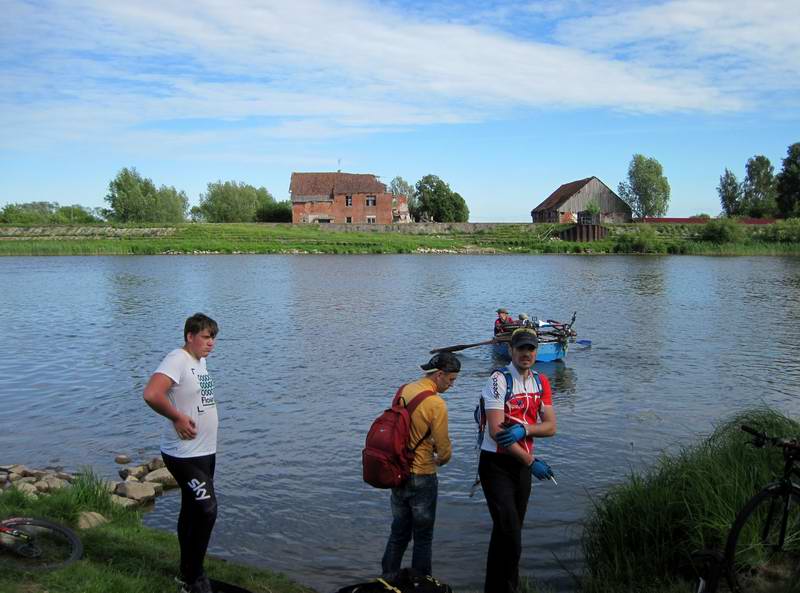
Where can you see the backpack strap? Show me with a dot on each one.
(411, 406)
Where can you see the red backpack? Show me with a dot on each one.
(387, 457)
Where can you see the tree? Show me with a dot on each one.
(438, 203)
(45, 213)
(788, 198)
(275, 212)
(400, 187)
(759, 189)
(730, 193)
(134, 198)
(647, 190)
(230, 201)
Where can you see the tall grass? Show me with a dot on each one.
(641, 534)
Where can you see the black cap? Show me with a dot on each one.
(444, 361)
(524, 337)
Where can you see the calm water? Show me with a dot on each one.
(312, 348)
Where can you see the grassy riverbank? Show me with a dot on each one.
(641, 534)
(121, 556)
(729, 239)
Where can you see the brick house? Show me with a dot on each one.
(570, 201)
(345, 198)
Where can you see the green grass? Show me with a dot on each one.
(783, 239)
(640, 535)
(122, 556)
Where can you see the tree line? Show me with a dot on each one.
(132, 198)
(762, 193)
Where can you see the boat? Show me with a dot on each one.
(554, 339)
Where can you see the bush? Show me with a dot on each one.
(275, 212)
(722, 230)
(783, 231)
(642, 240)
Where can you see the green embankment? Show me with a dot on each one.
(714, 238)
(121, 556)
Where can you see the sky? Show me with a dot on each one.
(504, 100)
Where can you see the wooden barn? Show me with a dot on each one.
(572, 202)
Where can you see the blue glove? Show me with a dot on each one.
(541, 470)
(510, 435)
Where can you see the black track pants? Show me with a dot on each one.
(195, 476)
(507, 485)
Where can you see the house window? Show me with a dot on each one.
(371, 201)
(349, 219)
(370, 220)
(348, 201)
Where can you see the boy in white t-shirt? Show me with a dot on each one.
(182, 391)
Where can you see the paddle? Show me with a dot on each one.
(462, 346)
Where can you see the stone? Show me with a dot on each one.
(162, 476)
(155, 463)
(139, 492)
(138, 472)
(28, 480)
(37, 473)
(14, 477)
(109, 486)
(123, 472)
(20, 469)
(65, 476)
(122, 459)
(54, 483)
(41, 486)
(89, 519)
(122, 501)
(159, 488)
(131, 479)
(27, 488)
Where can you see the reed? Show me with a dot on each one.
(641, 534)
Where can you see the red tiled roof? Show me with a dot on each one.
(319, 184)
(562, 194)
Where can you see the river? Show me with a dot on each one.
(312, 348)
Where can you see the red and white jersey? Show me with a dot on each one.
(524, 405)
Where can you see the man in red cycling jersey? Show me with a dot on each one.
(507, 458)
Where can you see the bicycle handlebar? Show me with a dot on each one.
(752, 431)
(762, 439)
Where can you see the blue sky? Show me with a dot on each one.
(503, 100)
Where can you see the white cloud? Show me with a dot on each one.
(353, 67)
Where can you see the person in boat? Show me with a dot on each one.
(182, 391)
(506, 459)
(414, 503)
(503, 319)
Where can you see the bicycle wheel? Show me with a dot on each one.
(40, 545)
(763, 550)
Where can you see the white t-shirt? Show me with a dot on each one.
(193, 395)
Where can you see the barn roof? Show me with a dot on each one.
(562, 194)
(317, 185)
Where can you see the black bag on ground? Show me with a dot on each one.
(406, 581)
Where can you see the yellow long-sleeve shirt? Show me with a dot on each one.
(431, 413)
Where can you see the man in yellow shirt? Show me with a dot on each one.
(414, 503)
